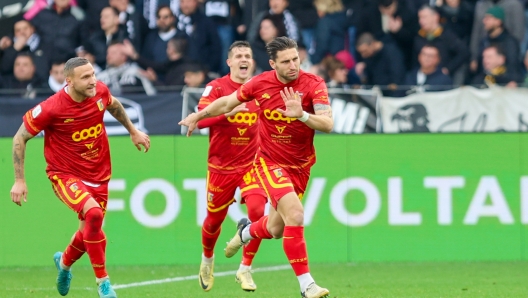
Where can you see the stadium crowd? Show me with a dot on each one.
(404, 45)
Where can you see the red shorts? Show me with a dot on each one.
(277, 182)
(74, 192)
(221, 189)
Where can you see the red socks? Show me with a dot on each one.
(255, 205)
(211, 230)
(295, 249)
(75, 250)
(95, 241)
(259, 230)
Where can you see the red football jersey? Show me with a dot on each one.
(233, 141)
(284, 140)
(75, 139)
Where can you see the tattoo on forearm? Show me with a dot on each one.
(325, 110)
(19, 151)
(118, 111)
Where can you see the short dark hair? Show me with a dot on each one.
(365, 38)
(497, 47)
(179, 43)
(26, 54)
(73, 63)
(238, 44)
(429, 7)
(57, 62)
(114, 10)
(280, 44)
(386, 3)
(163, 7)
(431, 45)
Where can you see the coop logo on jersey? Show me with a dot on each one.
(241, 131)
(280, 129)
(275, 115)
(85, 134)
(36, 111)
(100, 104)
(243, 118)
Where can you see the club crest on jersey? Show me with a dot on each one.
(100, 104)
(210, 197)
(74, 187)
(278, 173)
(241, 131)
(266, 96)
(280, 129)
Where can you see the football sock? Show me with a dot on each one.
(73, 251)
(255, 205)
(295, 248)
(211, 230)
(257, 230)
(100, 280)
(208, 260)
(305, 280)
(95, 241)
(243, 267)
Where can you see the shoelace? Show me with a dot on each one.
(105, 287)
(247, 275)
(64, 274)
(207, 271)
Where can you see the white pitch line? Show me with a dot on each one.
(190, 277)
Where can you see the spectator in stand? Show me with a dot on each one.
(277, 7)
(390, 21)
(25, 39)
(453, 52)
(525, 61)
(495, 70)
(250, 10)
(93, 9)
(110, 32)
(336, 72)
(136, 26)
(271, 26)
(119, 73)
(196, 75)
(226, 14)
(306, 64)
(155, 46)
(428, 76)
(87, 52)
(149, 9)
(39, 5)
(24, 77)
(59, 27)
(383, 63)
(169, 73)
(306, 15)
(56, 79)
(498, 35)
(204, 42)
(457, 16)
(514, 21)
(330, 30)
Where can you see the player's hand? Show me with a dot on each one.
(292, 100)
(191, 121)
(19, 192)
(140, 138)
(240, 108)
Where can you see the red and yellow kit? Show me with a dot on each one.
(233, 142)
(75, 142)
(286, 144)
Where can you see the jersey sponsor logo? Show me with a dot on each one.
(207, 91)
(280, 129)
(36, 111)
(92, 132)
(243, 118)
(241, 131)
(100, 104)
(266, 96)
(277, 116)
(68, 120)
(89, 146)
(320, 90)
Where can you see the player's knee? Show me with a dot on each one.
(295, 218)
(94, 218)
(256, 213)
(276, 232)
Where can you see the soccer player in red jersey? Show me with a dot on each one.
(293, 104)
(78, 162)
(233, 141)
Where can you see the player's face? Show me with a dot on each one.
(287, 65)
(83, 80)
(240, 63)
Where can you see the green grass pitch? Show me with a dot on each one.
(460, 279)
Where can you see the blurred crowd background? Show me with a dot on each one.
(404, 46)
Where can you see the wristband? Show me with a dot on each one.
(304, 117)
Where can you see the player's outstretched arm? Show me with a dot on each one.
(213, 121)
(222, 105)
(322, 120)
(19, 189)
(138, 137)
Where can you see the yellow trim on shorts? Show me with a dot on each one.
(270, 180)
(252, 186)
(221, 207)
(65, 192)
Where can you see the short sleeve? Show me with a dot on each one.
(210, 93)
(105, 93)
(38, 118)
(320, 94)
(245, 92)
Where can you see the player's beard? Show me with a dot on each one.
(85, 92)
(289, 76)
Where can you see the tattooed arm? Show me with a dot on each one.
(138, 137)
(19, 189)
(322, 120)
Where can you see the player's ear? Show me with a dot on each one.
(272, 63)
